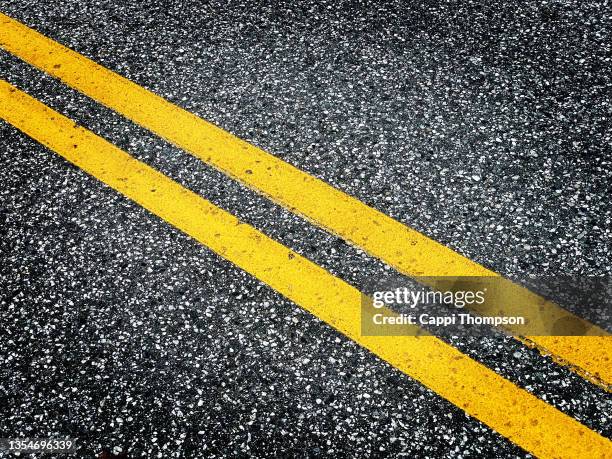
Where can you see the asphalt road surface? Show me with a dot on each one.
(484, 127)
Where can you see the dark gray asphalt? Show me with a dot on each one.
(480, 127)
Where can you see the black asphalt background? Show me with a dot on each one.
(430, 106)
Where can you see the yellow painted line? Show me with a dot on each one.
(524, 419)
(405, 249)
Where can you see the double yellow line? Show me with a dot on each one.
(405, 249)
(514, 413)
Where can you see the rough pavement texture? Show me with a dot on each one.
(482, 127)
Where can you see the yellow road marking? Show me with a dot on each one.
(521, 417)
(405, 249)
